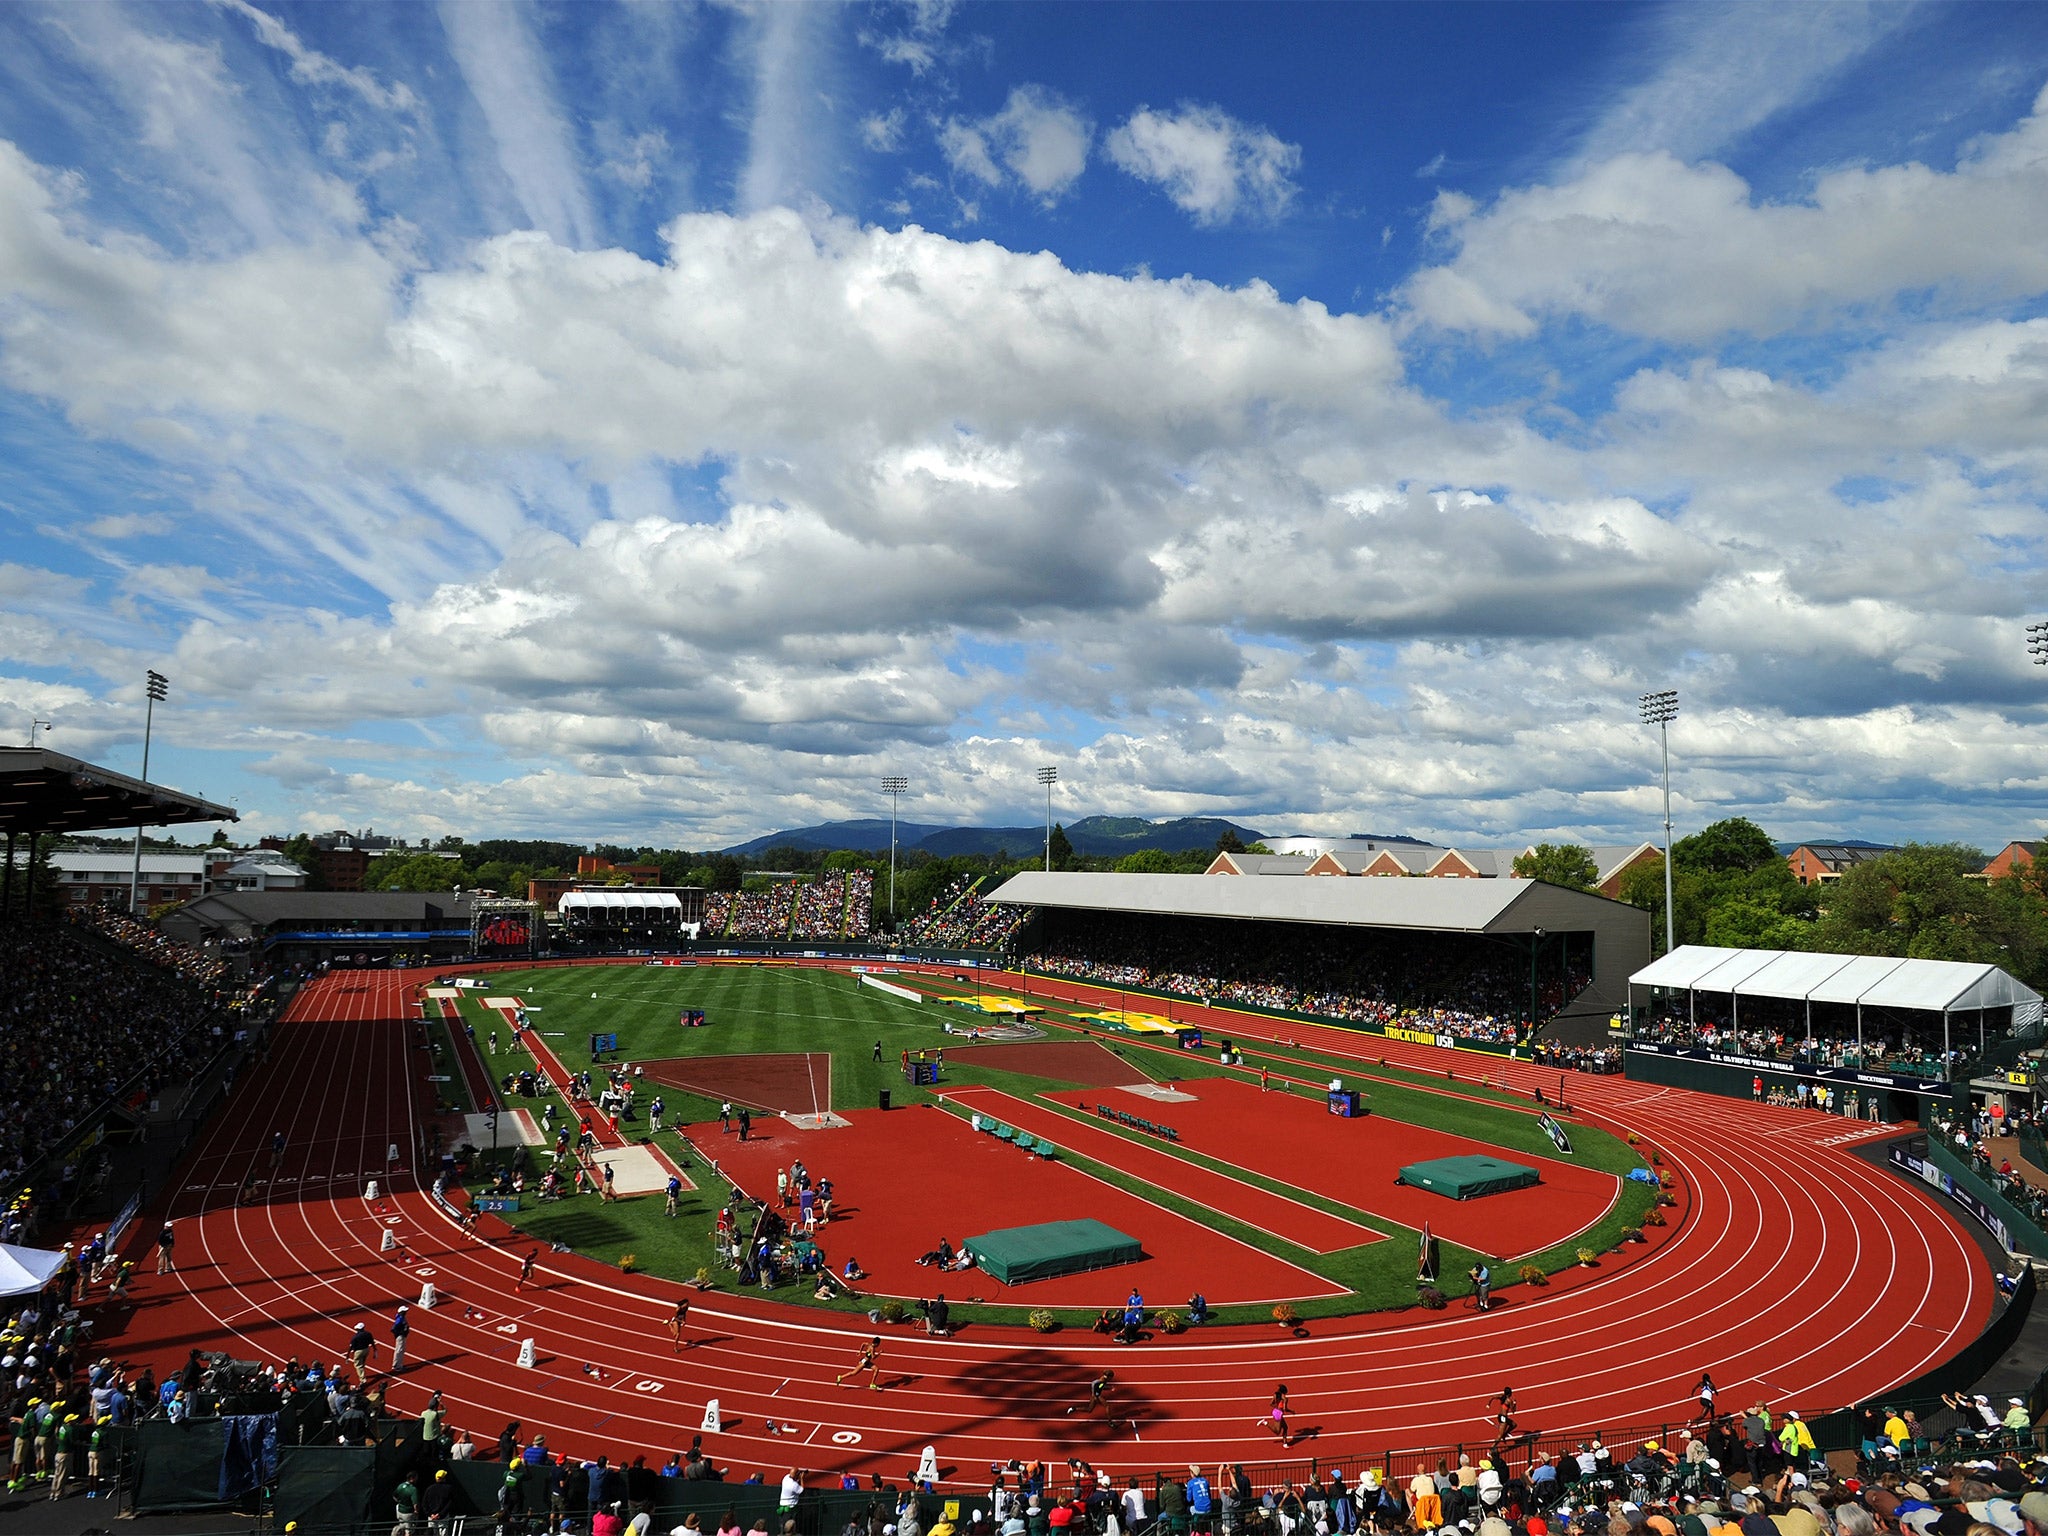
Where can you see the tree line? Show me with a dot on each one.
(1929, 901)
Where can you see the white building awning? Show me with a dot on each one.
(1873, 981)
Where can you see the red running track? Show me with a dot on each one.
(1298, 1141)
(1804, 1274)
(904, 1178)
(1293, 1221)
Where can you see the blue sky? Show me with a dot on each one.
(657, 422)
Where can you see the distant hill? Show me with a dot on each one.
(1092, 835)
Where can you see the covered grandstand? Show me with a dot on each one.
(1548, 939)
(1866, 1022)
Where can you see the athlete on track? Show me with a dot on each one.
(870, 1361)
(1098, 1394)
(1276, 1415)
(679, 1321)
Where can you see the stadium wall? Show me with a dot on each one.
(1739, 1082)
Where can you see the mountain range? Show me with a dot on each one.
(1092, 835)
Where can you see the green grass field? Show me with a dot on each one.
(756, 1009)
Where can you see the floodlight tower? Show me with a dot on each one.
(892, 787)
(1048, 776)
(1660, 709)
(155, 686)
(2037, 643)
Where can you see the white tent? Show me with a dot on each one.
(23, 1270)
(1945, 987)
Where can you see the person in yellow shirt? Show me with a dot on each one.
(1795, 1439)
(1895, 1430)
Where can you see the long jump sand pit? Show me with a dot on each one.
(798, 1081)
(1065, 1061)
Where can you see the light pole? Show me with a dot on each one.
(34, 726)
(1660, 709)
(2037, 643)
(155, 687)
(1048, 776)
(892, 787)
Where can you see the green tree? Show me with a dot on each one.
(1228, 841)
(1740, 923)
(1919, 901)
(1565, 864)
(300, 850)
(1148, 861)
(1060, 850)
(1737, 844)
(220, 838)
(421, 872)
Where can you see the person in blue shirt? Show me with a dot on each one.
(1198, 1308)
(1201, 1501)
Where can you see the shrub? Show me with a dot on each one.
(1432, 1298)
(1654, 1219)
(1285, 1315)
(1173, 1322)
(1632, 1235)
(892, 1311)
(1533, 1275)
(1045, 1320)
(1588, 1257)
(1634, 1140)
(1665, 1199)
(626, 1263)
(703, 1278)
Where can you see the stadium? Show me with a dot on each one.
(1298, 1185)
(915, 768)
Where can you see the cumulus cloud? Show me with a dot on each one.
(1213, 166)
(1039, 141)
(1649, 244)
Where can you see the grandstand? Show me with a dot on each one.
(1493, 959)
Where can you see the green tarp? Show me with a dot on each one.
(1466, 1178)
(1017, 1254)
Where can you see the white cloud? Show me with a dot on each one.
(883, 131)
(127, 525)
(509, 79)
(1038, 138)
(313, 67)
(1213, 166)
(1705, 74)
(1648, 244)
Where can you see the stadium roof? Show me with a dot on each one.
(1872, 981)
(45, 791)
(1443, 906)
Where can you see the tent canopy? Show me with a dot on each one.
(23, 1270)
(1873, 981)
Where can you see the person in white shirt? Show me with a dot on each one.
(1135, 1518)
(792, 1490)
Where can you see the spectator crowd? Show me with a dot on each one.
(839, 905)
(958, 918)
(1474, 988)
(76, 1025)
